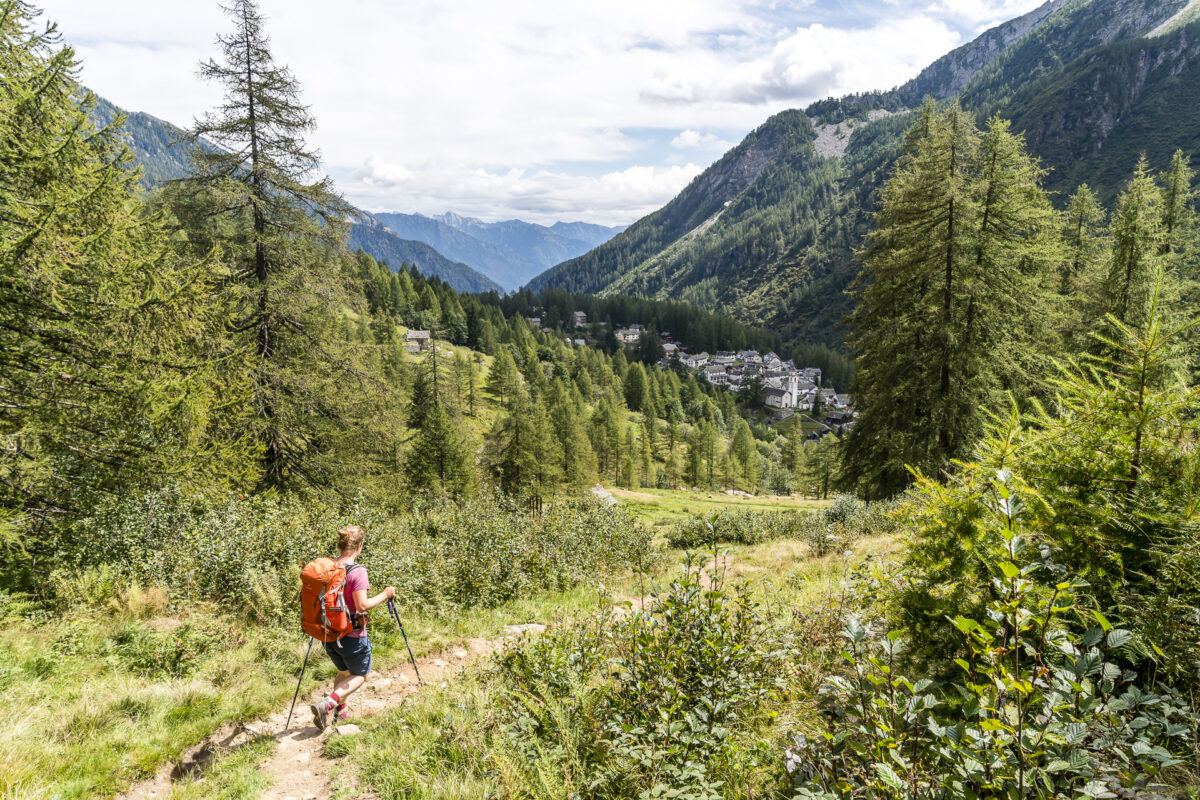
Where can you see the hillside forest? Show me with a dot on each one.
(988, 587)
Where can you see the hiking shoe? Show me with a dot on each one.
(342, 712)
(320, 711)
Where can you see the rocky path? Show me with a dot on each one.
(297, 768)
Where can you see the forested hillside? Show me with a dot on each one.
(163, 153)
(510, 252)
(1074, 76)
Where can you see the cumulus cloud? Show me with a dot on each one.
(692, 139)
(818, 61)
(538, 195)
(537, 107)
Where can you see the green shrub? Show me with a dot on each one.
(839, 525)
(737, 526)
(1036, 711)
(245, 553)
(677, 701)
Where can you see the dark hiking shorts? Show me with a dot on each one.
(353, 656)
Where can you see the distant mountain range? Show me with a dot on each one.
(162, 155)
(768, 232)
(509, 252)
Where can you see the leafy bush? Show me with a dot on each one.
(845, 520)
(677, 701)
(1111, 475)
(736, 526)
(246, 552)
(1036, 710)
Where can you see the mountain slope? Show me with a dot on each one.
(586, 232)
(776, 248)
(537, 243)
(374, 237)
(163, 156)
(508, 268)
(510, 252)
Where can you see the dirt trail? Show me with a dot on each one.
(298, 768)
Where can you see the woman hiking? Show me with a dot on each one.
(352, 653)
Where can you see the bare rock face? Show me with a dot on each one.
(347, 730)
(832, 140)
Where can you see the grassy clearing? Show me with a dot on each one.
(109, 694)
(664, 507)
(109, 697)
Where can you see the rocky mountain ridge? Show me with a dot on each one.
(1083, 79)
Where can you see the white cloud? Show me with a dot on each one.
(692, 139)
(818, 61)
(528, 106)
(979, 15)
(539, 195)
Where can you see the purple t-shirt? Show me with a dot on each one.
(356, 579)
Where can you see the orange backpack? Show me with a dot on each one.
(324, 615)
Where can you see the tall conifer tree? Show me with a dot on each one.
(109, 344)
(288, 292)
(949, 297)
(1138, 249)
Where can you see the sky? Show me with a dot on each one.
(539, 110)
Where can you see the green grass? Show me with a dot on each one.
(663, 507)
(231, 776)
(108, 694)
(436, 746)
(106, 698)
(100, 707)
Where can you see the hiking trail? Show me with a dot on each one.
(298, 769)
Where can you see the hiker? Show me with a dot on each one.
(351, 654)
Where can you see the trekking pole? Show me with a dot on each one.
(297, 694)
(396, 616)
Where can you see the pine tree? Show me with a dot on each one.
(434, 386)
(646, 451)
(636, 394)
(1138, 247)
(628, 476)
(821, 465)
(577, 463)
(113, 358)
(439, 460)
(1178, 209)
(950, 315)
(503, 381)
(286, 298)
(745, 454)
(1083, 239)
(521, 455)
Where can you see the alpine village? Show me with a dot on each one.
(857, 459)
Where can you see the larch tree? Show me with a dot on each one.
(1178, 208)
(287, 222)
(111, 376)
(438, 460)
(949, 298)
(1139, 247)
(1081, 270)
